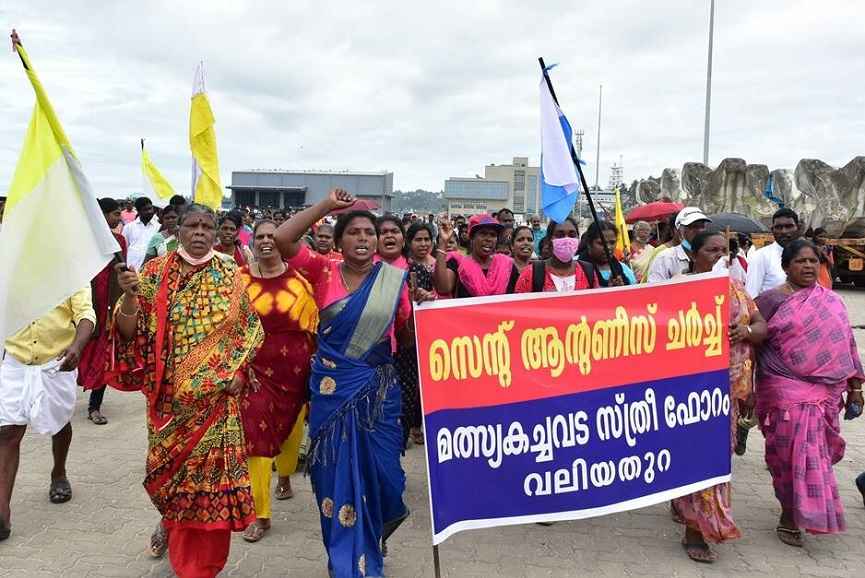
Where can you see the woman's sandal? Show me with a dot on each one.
(158, 541)
(283, 492)
(96, 417)
(699, 552)
(790, 536)
(60, 491)
(254, 532)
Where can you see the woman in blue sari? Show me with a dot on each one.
(355, 403)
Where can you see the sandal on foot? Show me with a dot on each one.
(283, 492)
(699, 552)
(60, 491)
(5, 530)
(158, 542)
(254, 532)
(96, 417)
(790, 536)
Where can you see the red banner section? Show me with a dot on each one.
(491, 351)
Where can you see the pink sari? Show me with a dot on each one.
(804, 366)
(709, 510)
(496, 280)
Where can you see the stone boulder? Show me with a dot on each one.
(822, 195)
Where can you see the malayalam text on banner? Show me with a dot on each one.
(545, 407)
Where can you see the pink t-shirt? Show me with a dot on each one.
(326, 280)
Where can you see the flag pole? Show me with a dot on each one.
(615, 270)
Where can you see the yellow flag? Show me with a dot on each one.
(54, 238)
(156, 187)
(623, 242)
(206, 185)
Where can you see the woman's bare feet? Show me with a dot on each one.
(697, 548)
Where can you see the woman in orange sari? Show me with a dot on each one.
(183, 332)
(707, 514)
(270, 407)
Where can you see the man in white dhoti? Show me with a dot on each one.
(37, 389)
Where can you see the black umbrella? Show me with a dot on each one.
(737, 223)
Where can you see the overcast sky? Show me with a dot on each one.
(430, 90)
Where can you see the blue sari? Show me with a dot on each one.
(354, 426)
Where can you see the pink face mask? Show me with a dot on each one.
(195, 262)
(565, 248)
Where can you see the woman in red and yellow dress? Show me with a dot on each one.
(184, 331)
(270, 405)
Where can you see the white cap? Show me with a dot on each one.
(689, 216)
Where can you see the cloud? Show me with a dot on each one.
(433, 90)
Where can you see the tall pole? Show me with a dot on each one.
(598, 151)
(709, 84)
(615, 267)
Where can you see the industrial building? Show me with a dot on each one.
(515, 186)
(288, 189)
(467, 196)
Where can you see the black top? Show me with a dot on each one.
(462, 292)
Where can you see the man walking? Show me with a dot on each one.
(139, 232)
(764, 267)
(37, 389)
(690, 222)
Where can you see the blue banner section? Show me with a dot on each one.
(586, 451)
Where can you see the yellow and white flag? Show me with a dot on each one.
(54, 238)
(623, 242)
(206, 186)
(156, 187)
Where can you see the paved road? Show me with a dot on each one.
(104, 529)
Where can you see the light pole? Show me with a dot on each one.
(709, 84)
(598, 151)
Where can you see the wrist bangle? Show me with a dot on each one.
(441, 252)
(750, 331)
(859, 390)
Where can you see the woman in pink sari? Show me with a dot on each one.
(482, 272)
(807, 363)
(707, 514)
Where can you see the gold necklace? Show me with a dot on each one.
(262, 275)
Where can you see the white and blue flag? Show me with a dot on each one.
(559, 181)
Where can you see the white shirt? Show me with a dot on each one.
(568, 283)
(138, 236)
(764, 270)
(673, 262)
(669, 263)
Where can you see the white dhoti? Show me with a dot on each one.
(40, 396)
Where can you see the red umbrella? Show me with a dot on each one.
(653, 211)
(359, 205)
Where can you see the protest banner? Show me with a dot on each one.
(559, 406)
